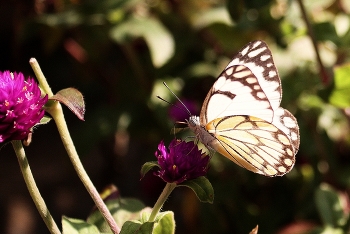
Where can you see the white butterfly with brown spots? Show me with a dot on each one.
(241, 117)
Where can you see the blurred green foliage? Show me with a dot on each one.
(118, 53)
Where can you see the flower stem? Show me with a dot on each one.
(56, 112)
(169, 187)
(33, 189)
(40, 76)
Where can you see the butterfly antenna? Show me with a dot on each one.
(185, 108)
(172, 104)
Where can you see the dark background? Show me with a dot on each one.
(117, 53)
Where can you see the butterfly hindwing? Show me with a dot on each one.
(286, 122)
(253, 143)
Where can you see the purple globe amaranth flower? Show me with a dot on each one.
(183, 161)
(20, 106)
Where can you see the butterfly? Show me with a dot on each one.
(241, 117)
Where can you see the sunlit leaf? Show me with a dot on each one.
(334, 122)
(135, 227)
(165, 223)
(45, 119)
(215, 15)
(157, 37)
(122, 210)
(77, 226)
(340, 96)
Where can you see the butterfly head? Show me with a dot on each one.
(193, 122)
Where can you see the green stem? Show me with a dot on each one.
(33, 189)
(40, 76)
(169, 187)
(55, 110)
(325, 77)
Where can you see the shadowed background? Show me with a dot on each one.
(118, 53)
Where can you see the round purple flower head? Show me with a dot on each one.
(183, 161)
(20, 106)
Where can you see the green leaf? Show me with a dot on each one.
(130, 227)
(326, 230)
(235, 8)
(135, 227)
(212, 16)
(325, 31)
(165, 223)
(340, 96)
(202, 188)
(122, 210)
(255, 4)
(44, 120)
(329, 206)
(77, 226)
(148, 166)
(73, 99)
(158, 38)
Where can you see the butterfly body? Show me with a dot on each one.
(241, 117)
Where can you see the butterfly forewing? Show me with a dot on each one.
(236, 92)
(257, 56)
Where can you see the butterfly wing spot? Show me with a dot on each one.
(272, 74)
(244, 51)
(270, 171)
(228, 72)
(265, 57)
(283, 139)
(295, 138)
(237, 72)
(290, 152)
(282, 169)
(252, 80)
(286, 122)
(256, 52)
(288, 162)
(256, 43)
(256, 87)
(260, 95)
